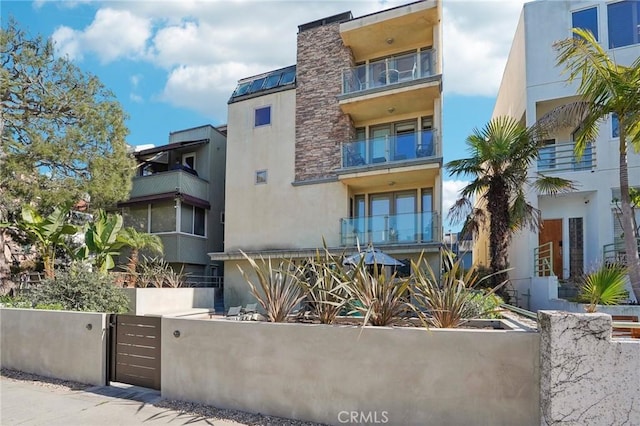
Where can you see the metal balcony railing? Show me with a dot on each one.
(616, 252)
(543, 260)
(392, 148)
(407, 228)
(389, 71)
(561, 157)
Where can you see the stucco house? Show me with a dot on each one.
(580, 228)
(344, 145)
(178, 194)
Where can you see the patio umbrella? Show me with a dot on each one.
(371, 257)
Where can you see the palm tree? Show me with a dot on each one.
(48, 232)
(605, 88)
(501, 154)
(138, 241)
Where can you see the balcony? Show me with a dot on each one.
(169, 182)
(561, 158)
(391, 149)
(388, 72)
(407, 228)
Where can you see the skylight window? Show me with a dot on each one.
(288, 77)
(243, 89)
(256, 85)
(272, 81)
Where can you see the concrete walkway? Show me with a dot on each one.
(27, 403)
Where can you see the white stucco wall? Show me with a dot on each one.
(315, 372)
(155, 301)
(586, 377)
(61, 344)
(543, 23)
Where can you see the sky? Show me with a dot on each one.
(174, 64)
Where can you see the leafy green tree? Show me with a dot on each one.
(101, 240)
(62, 132)
(48, 233)
(138, 241)
(605, 88)
(501, 154)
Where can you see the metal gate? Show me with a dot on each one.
(135, 350)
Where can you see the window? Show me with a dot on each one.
(623, 19)
(263, 116)
(261, 177)
(163, 217)
(586, 19)
(189, 160)
(192, 220)
(615, 126)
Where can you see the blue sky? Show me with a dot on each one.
(173, 64)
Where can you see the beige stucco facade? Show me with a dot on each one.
(366, 87)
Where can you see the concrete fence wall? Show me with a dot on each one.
(158, 301)
(60, 344)
(338, 374)
(587, 378)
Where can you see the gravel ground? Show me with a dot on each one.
(200, 411)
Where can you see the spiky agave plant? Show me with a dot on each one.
(604, 286)
(278, 289)
(382, 299)
(325, 284)
(450, 301)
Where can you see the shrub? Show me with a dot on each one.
(80, 290)
(450, 301)
(156, 272)
(381, 299)
(485, 306)
(324, 284)
(15, 302)
(278, 289)
(604, 286)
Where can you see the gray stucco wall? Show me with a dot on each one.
(319, 373)
(56, 344)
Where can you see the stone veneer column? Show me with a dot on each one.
(586, 377)
(321, 126)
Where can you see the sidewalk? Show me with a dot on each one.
(27, 403)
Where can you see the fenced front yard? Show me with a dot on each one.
(571, 370)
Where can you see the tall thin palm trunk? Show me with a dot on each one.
(630, 241)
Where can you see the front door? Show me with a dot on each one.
(552, 232)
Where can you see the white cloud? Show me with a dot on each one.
(67, 43)
(205, 88)
(135, 98)
(112, 35)
(450, 193)
(476, 41)
(219, 42)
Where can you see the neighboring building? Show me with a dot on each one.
(344, 145)
(178, 194)
(580, 228)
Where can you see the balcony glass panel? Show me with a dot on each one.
(388, 71)
(403, 228)
(561, 157)
(389, 148)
